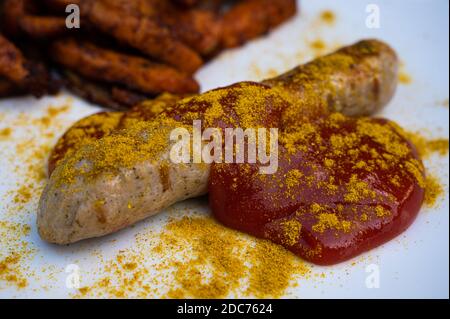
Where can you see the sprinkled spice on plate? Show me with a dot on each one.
(404, 78)
(427, 147)
(5, 133)
(14, 253)
(433, 191)
(328, 16)
(198, 258)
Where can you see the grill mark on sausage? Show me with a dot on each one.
(164, 177)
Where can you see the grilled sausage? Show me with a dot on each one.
(106, 203)
(97, 204)
(96, 126)
(356, 80)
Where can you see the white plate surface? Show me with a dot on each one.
(416, 264)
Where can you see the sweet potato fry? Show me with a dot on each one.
(143, 33)
(177, 33)
(38, 27)
(92, 91)
(252, 18)
(12, 11)
(19, 17)
(40, 81)
(199, 29)
(213, 5)
(28, 75)
(133, 72)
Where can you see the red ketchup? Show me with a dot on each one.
(343, 186)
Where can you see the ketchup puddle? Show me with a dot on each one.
(343, 187)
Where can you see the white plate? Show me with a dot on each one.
(416, 264)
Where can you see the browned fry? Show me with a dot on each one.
(199, 29)
(94, 92)
(18, 17)
(39, 27)
(143, 33)
(175, 32)
(13, 10)
(252, 18)
(133, 72)
(7, 88)
(30, 76)
(212, 5)
(148, 110)
(60, 5)
(145, 8)
(187, 3)
(82, 132)
(12, 62)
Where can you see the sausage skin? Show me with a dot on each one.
(70, 212)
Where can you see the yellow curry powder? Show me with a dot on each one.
(328, 16)
(318, 45)
(5, 133)
(427, 147)
(13, 254)
(214, 261)
(198, 258)
(404, 78)
(123, 149)
(291, 229)
(433, 190)
(27, 160)
(85, 131)
(392, 157)
(243, 105)
(148, 140)
(331, 221)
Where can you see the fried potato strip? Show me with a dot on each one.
(143, 33)
(133, 72)
(251, 18)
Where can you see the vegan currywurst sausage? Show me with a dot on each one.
(127, 175)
